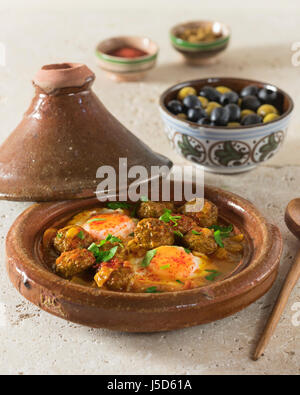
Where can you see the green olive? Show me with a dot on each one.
(211, 105)
(186, 91)
(233, 124)
(266, 109)
(246, 112)
(223, 89)
(270, 117)
(203, 101)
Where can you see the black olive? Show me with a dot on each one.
(251, 119)
(267, 95)
(229, 97)
(220, 116)
(210, 93)
(250, 103)
(250, 90)
(194, 114)
(234, 112)
(203, 121)
(175, 107)
(192, 101)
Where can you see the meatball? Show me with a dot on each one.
(71, 263)
(184, 224)
(205, 217)
(120, 280)
(200, 240)
(153, 209)
(151, 233)
(72, 237)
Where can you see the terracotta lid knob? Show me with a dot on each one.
(63, 75)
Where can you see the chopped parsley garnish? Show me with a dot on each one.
(116, 205)
(220, 233)
(178, 233)
(195, 232)
(152, 290)
(218, 238)
(180, 282)
(95, 220)
(104, 256)
(165, 267)
(81, 235)
(148, 258)
(168, 217)
(144, 199)
(213, 275)
(187, 250)
(59, 235)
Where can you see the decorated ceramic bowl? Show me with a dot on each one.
(202, 52)
(226, 149)
(122, 68)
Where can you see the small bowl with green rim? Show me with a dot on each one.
(201, 52)
(123, 68)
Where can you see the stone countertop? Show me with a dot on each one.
(33, 341)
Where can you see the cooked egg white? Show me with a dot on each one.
(107, 221)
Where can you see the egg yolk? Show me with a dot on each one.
(173, 263)
(115, 223)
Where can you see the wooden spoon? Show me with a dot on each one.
(292, 220)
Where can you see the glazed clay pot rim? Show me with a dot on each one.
(62, 75)
(123, 60)
(256, 272)
(201, 46)
(223, 81)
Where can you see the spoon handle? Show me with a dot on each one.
(290, 282)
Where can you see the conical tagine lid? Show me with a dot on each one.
(64, 137)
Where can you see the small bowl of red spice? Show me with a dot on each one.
(127, 58)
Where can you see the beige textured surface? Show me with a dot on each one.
(35, 342)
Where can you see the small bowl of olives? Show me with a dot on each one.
(200, 42)
(227, 125)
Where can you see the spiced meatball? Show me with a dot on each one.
(200, 240)
(184, 224)
(151, 233)
(153, 209)
(71, 263)
(72, 237)
(205, 217)
(120, 279)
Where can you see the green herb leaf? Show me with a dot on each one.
(59, 235)
(81, 235)
(195, 232)
(105, 256)
(94, 249)
(187, 250)
(168, 217)
(214, 274)
(180, 282)
(95, 220)
(218, 238)
(165, 267)
(144, 199)
(148, 258)
(152, 290)
(222, 229)
(116, 205)
(178, 233)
